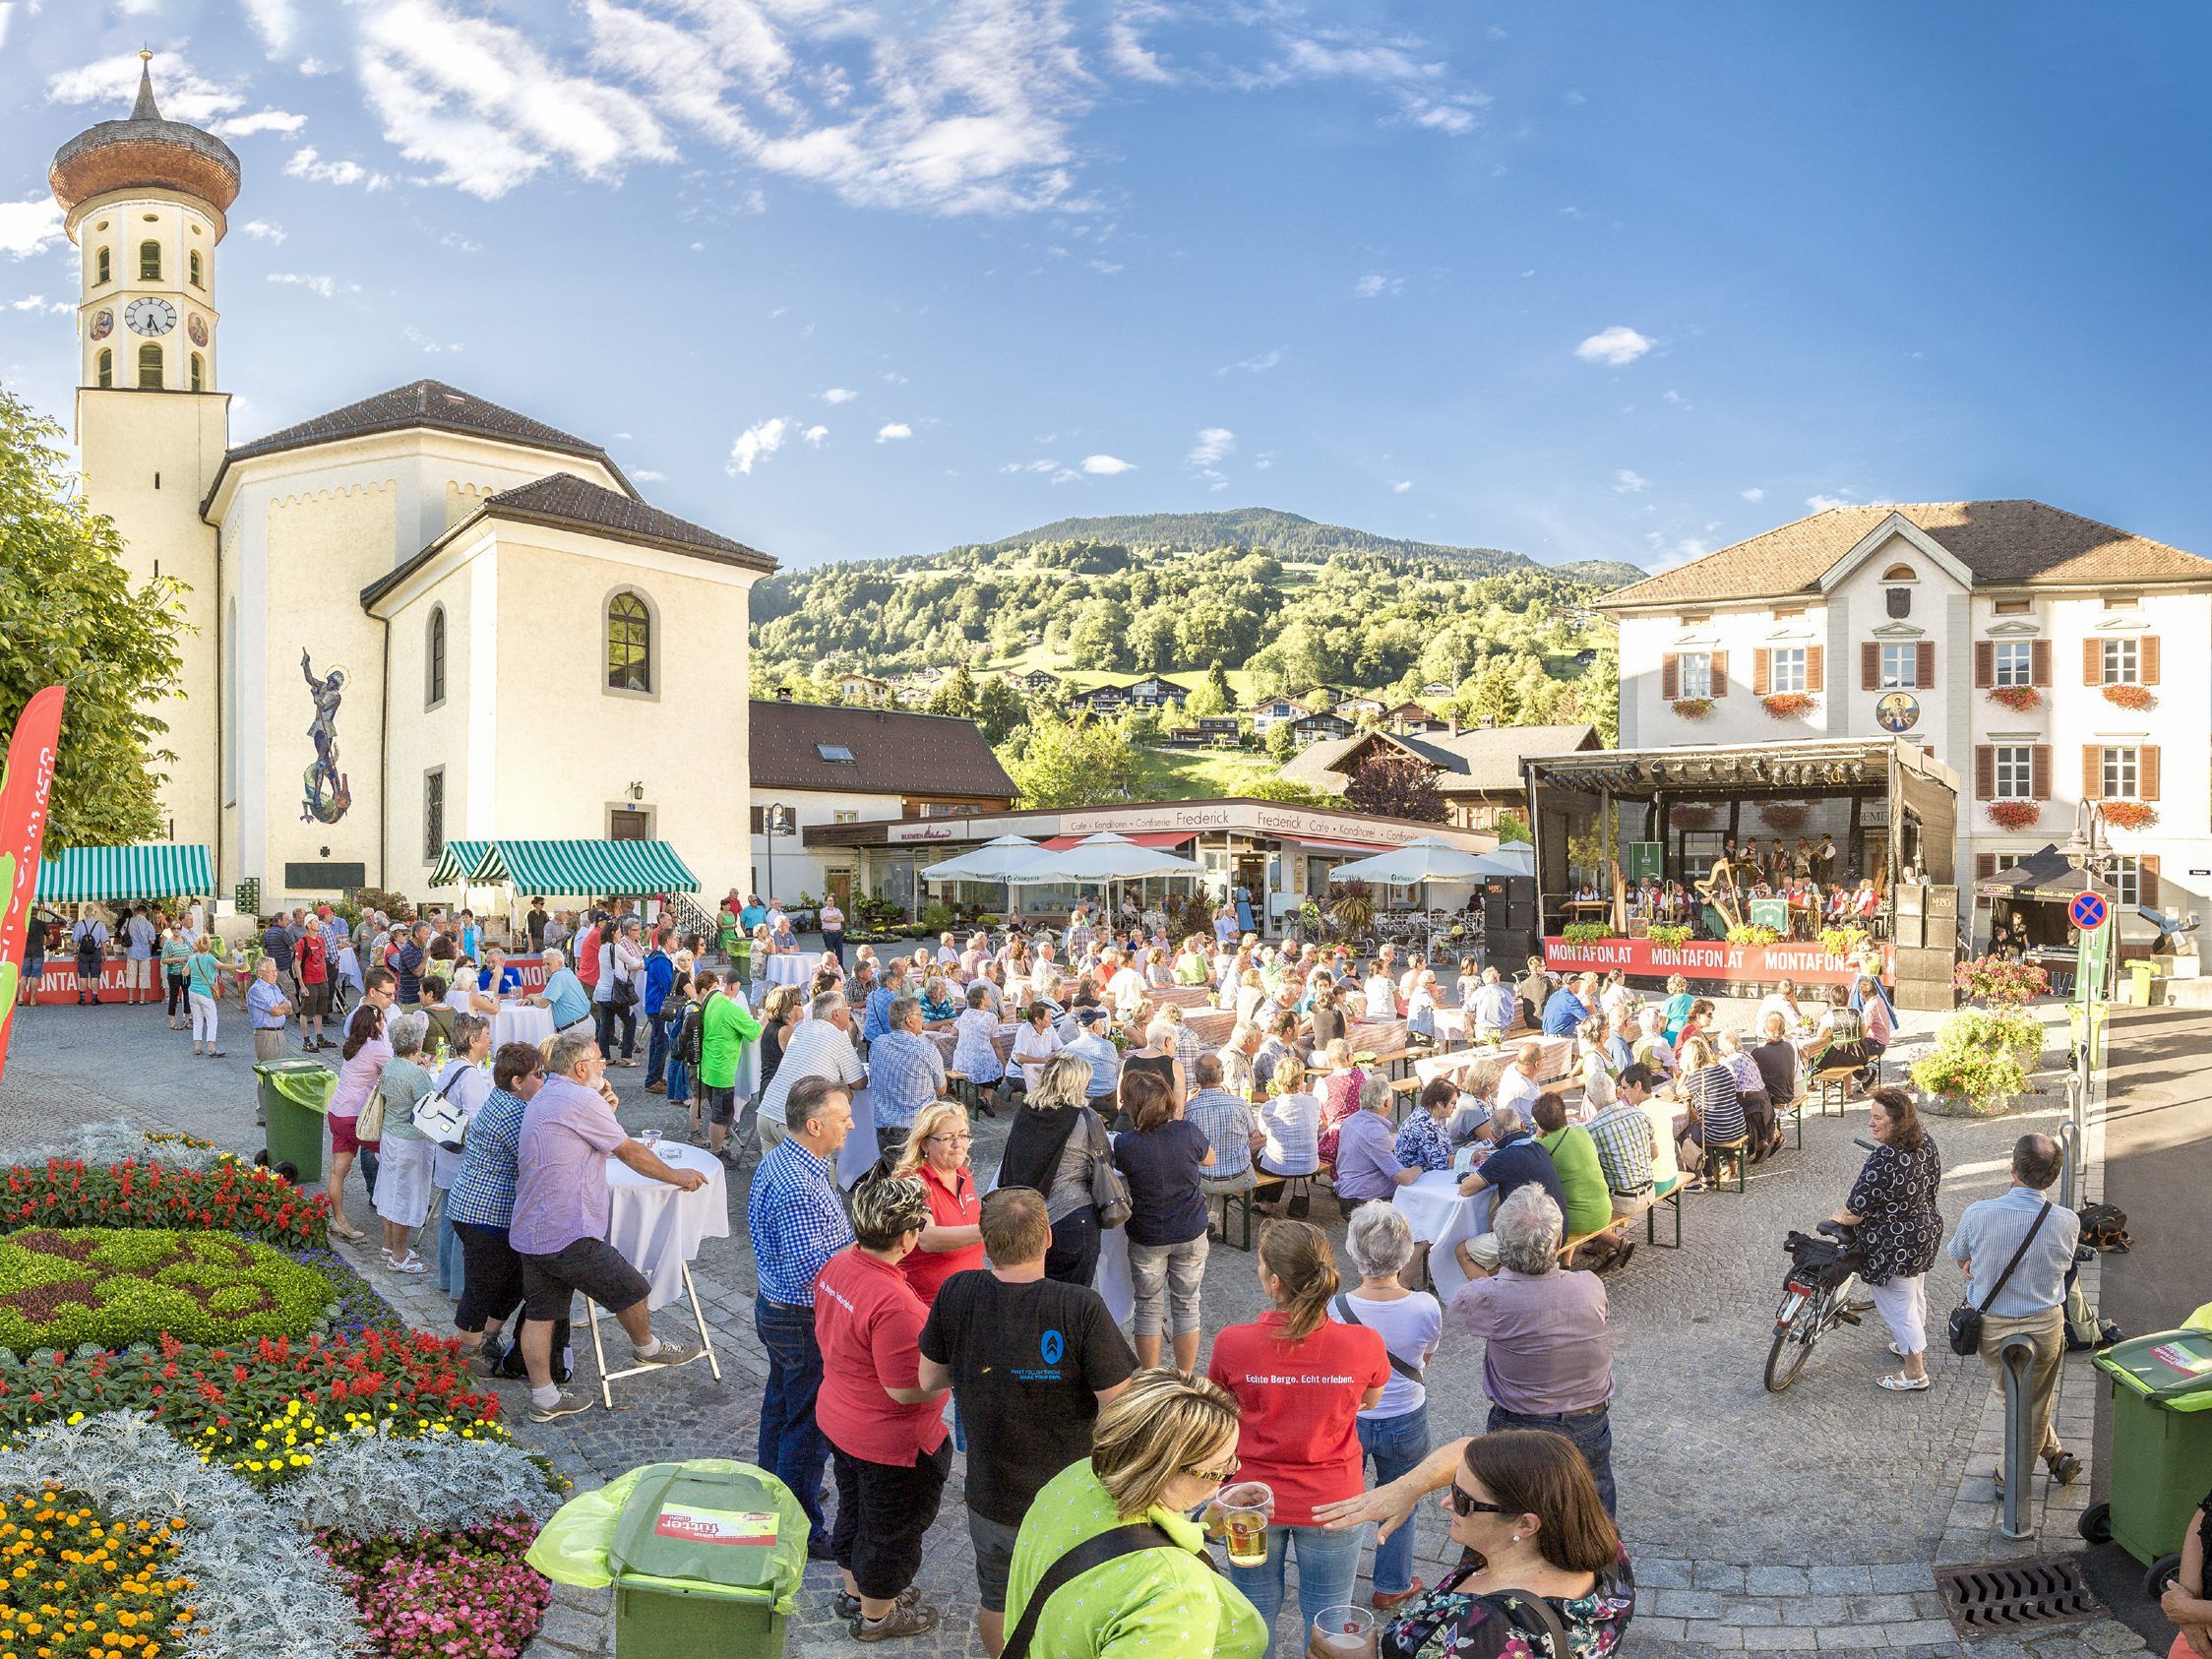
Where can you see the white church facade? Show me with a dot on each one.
(418, 618)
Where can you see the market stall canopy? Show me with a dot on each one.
(88, 875)
(2047, 875)
(608, 869)
(993, 861)
(1107, 857)
(456, 861)
(1425, 860)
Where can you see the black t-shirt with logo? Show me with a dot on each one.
(1027, 1362)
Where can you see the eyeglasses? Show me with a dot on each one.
(1218, 1476)
(1465, 1503)
(955, 1137)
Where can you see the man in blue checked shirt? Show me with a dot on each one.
(481, 1204)
(797, 1222)
(876, 1017)
(906, 1073)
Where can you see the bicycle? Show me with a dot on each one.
(1815, 1298)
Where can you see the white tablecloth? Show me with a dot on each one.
(656, 1227)
(1112, 1278)
(790, 968)
(1439, 1215)
(516, 1023)
(858, 1154)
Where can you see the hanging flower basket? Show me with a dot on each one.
(2018, 698)
(2130, 696)
(1783, 814)
(2129, 815)
(1693, 707)
(1692, 818)
(2014, 814)
(1788, 705)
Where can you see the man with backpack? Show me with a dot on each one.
(90, 936)
(311, 963)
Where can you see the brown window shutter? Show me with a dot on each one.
(1762, 672)
(2092, 662)
(1669, 678)
(2040, 772)
(2146, 880)
(1984, 866)
(1985, 664)
(1869, 665)
(1985, 772)
(1814, 675)
(1924, 665)
(2146, 658)
(1719, 674)
(2039, 663)
(2092, 772)
(2146, 772)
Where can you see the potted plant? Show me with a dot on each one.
(2014, 814)
(1844, 940)
(1786, 816)
(1999, 981)
(2018, 698)
(1669, 938)
(2129, 815)
(1584, 933)
(1752, 933)
(1788, 705)
(1351, 907)
(1981, 1062)
(2130, 696)
(1693, 707)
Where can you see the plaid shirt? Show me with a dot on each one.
(1622, 1132)
(483, 1193)
(906, 1073)
(1227, 1122)
(1422, 1143)
(795, 1222)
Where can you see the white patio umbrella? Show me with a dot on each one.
(993, 861)
(1427, 859)
(1108, 857)
(1515, 858)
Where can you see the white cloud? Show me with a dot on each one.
(29, 227)
(1215, 443)
(324, 287)
(1125, 44)
(40, 302)
(839, 395)
(1613, 346)
(261, 230)
(1107, 466)
(415, 336)
(1399, 486)
(1259, 365)
(893, 430)
(276, 22)
(1375, 285)
(1627, 481)
(764, 438)
(1674, 396)
(307, 164)
(1754, 493)
(815, 434)
(1573, 99)
(646, 476)
(889, 378)
(264, 121)
(1822, 503)
(1681, 553)
(1107, 266)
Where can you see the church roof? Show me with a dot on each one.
(878, 752)
(566, 502)
(145, 151)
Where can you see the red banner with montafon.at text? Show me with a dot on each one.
(25, 784)
(1710, 958)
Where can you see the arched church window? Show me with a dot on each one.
(150, 367)
(199, 372)
(103, 268)
(434, 660)
(104, 369)
(150, 262)
(629, 644)
(193, 270)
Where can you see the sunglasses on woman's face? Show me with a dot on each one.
(1465, 1503)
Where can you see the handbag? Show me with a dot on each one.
(439, 1118)
(1109, 1192)
(1965, 1326)
(369, 1125)
(1096, 1551)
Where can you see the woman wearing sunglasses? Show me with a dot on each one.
(1544, 1575)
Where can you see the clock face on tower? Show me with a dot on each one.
(150, 316)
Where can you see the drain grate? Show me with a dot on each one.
(2019, 1596)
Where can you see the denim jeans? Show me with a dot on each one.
(1396, 1444)
(366, 1162)
(606, 1018)
(1591, 1433)
(453, 1268)
(834, 943)
(663, 1036)
(1329, 1564)
(792, 1448)
(678, 1081)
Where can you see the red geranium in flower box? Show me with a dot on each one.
(2130, 696)
(2129, 815)
(1788, 705)
(2014, 814)
(2018, 698)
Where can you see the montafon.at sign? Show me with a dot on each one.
(1709, 958)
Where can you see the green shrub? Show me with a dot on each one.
(60, 1287)
(1584, 933)
(1983, 1058)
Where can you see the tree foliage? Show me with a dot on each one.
(68, 616)
(1057, 762)
(1393, 784)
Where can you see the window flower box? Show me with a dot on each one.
(2014, 814)
(1693, 707)
(1787, 705)
(2019, 698)
(2130, 815)
(2130, 696)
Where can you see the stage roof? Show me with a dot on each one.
(1827, 765)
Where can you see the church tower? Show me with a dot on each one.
(145, 200)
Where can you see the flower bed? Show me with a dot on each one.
(2130, 696)
(2014, 814)
(62, 1287)
(79, 1582)
(2018, 698)
(232, 1197)
(440, 1593)
(2129, 815)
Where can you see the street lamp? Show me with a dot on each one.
(776, 820)
(2088, 845)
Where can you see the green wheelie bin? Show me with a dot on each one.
(2161, 1388)
(704, 1556)
(295, 1096)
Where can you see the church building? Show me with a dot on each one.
(419, 617)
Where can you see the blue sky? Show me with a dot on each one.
(1584, 281)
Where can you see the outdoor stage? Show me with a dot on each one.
(1610, 819)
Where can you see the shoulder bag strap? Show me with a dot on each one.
(1524, 1610)
(2026, 1239)
(1110, 1544)
(1342, 1303)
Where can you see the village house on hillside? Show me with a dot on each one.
(1478, 772)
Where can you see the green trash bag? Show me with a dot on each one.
(578, 1545)
(303, 1083)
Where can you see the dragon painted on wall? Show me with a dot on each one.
(326, 793)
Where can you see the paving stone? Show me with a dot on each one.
(1780, 1640)
(1769, 1580)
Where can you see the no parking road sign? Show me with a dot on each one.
(2088, 911)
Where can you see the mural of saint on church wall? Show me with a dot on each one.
(327, 794)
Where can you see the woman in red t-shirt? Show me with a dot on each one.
(1301, 1383)
(937, 1155)
(885, 1432)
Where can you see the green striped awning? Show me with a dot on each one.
(84, 875)
(580, 869)
(456, 861)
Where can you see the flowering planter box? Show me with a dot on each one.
(2018, 698)
(2014, 814)
(1693, 707)
(2130, 815)
(1707, 958)
(2130, 696)
(1788, 705)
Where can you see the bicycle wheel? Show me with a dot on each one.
(1796, 1329)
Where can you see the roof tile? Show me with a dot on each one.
(421, 402)
(562, 498)
(894, 751)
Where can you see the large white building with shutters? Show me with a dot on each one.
(2046, 657)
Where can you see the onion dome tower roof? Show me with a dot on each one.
(145, 151)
